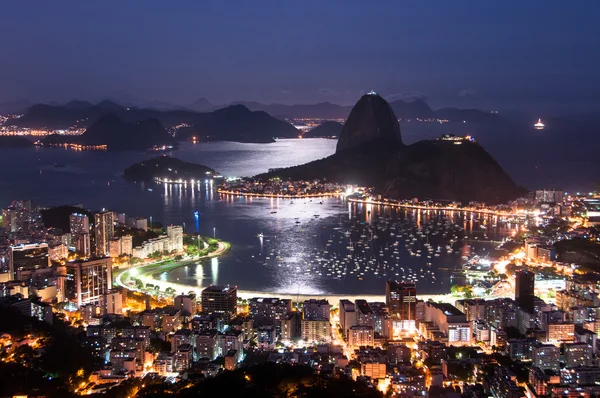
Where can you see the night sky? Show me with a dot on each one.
(521, 55)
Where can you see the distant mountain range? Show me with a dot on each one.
(110, 130)
(232, 123)
(370, 152)
(402, 109)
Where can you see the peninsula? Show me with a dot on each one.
(168, 169)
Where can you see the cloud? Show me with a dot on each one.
(467, 93)
(407, 96)
(326, 92)
(284, 91)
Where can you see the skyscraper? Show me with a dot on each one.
(401, 299)
(524, 286)
(104, 231)
(87, 281)
(80, 224)
(220, 300)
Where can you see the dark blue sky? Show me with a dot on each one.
(534, 55)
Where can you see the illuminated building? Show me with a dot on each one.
(316, 309)
(450, 321)
(127, 245)
(23, 260)
(87, 281)
(592, 207)
(316, 330)
(83, 245)
(58, 252)
(269, 310)
(347, 316)
(175, 234)
(79, 225)
(545, 356)
(578, 354)
(524, 289)
(104, 231)
(401, 298)
(207, 344)
(360, 335)
(549, 195)
(220, 300)
(112, 303)
(364, 314)
(138, 223)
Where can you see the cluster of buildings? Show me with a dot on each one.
(73, 266)
(279, 188)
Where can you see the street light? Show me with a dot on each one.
(214, 232)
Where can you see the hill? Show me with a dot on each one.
(232, 123)
(370, 152)
(326, 130)
(110, 130)
(165, 167)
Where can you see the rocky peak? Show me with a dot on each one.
(371, 119)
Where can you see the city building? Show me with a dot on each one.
(578, 354)
(186, 304)
(360, 335)
(545, 356)
(318, 330)
(220, 300)
(112, 303)
(549, 195)
(83, 245)
(87, 281)
(138, 223)
(450, 321)
(364, 314)
(79, 224)
(24, 259)
(347, 316)
(316, 309)
(524, 289)
(268, 310)
(104, 229)
(401, 298)
(175, 235)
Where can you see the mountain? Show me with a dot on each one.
(232, 123)
(371, 119)
(370, 152)
(238, 123)
(165, 167)
(404, 110)
(77, 104)
(325, 130)
(324, 110)
(201, 105)
(119, 135)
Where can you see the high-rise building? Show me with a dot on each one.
(104, 231)
(347, 316)
(175, 234)
(316, 309)
(549, 195)
(220, 300)
(360, 335)
(401, 299)
(524, 290)
(79, 224)
(25, 259)
(83, 245)
(88, 280)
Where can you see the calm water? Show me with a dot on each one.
(307, 247)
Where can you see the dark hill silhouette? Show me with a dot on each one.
(119, 135)
(326, 129)
(370, 153)
(371, 119)
(166, 167)
(233, 123)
